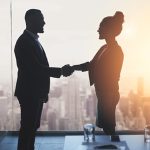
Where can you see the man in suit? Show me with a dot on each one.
(33, 80)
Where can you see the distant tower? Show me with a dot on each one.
(140, 86)
(3, 110)
(73, 104)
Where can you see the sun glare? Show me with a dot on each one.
(129, 31)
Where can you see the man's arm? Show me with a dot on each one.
(28, 61)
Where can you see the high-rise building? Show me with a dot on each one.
(146, 109)
(52, 120)
(3, 110)
(90, 105)
(73, 104)
(140, 86)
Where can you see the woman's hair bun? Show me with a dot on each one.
(119, 17)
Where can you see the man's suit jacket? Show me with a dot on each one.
(33, 68)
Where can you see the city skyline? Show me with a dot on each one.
(73, 103)
(125, 87)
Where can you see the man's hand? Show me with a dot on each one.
(67, 70)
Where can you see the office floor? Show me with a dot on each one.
(9, 142)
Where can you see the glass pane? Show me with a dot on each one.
(5, 68)
(71, 38)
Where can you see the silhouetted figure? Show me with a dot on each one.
(104, 72)
(33, 80)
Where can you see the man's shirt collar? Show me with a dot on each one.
(35, 36)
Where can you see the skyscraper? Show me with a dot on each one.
(73, 104)
(140, 86)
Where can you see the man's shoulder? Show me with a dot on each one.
(23, 42)
(24, 38)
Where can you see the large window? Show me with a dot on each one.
(71, 38)
(6, 110)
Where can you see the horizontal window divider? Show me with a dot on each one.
(65, 133)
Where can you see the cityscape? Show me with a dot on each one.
(72, 103)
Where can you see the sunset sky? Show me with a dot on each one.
(71, 34)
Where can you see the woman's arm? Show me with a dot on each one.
(81, 67)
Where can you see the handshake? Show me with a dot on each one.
(67, 70)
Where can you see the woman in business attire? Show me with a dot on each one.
(104, 72)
